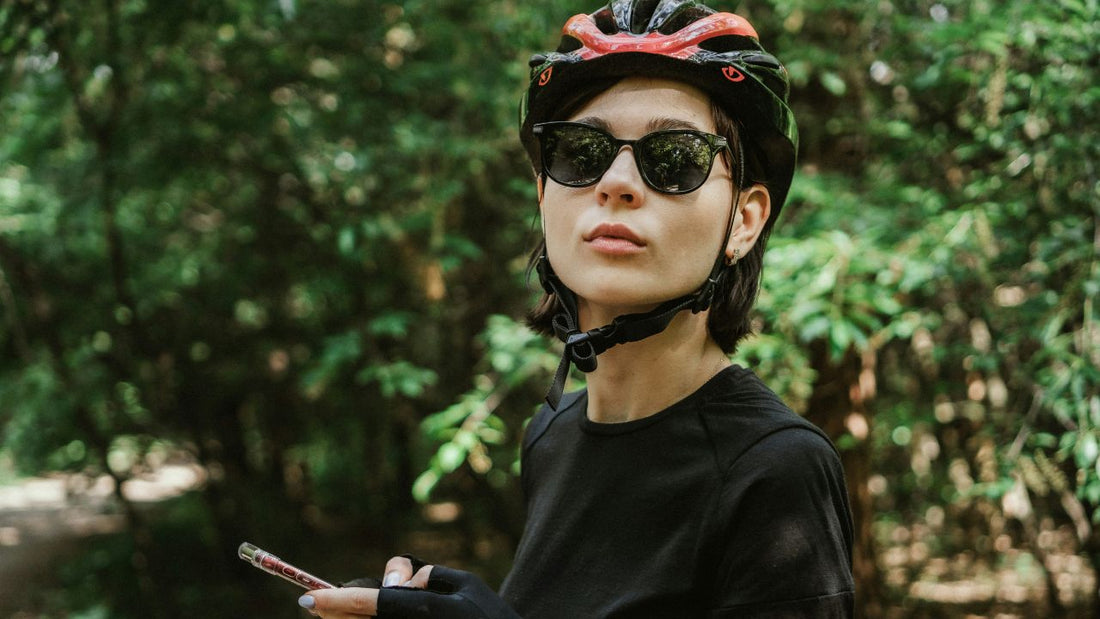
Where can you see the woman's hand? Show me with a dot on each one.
(354, 600)
(434, 592)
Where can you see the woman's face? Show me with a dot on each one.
(620, 245)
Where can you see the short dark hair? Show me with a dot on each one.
(729, 320)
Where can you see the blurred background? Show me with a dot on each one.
(262, 277)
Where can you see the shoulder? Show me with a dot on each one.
(745, 419)
(546, 417)
(790, 447)
(795, 468)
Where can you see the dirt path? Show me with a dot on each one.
(45, 520)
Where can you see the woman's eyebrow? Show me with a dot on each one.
(665, 123)
(661, 123)
(594, 121)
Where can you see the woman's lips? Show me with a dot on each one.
(614, 239)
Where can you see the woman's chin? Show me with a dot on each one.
(610, 304)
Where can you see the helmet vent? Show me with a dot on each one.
(641, 12)
(729, 43)
(605, 21)
(569, 44)
(684, 15)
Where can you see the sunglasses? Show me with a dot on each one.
(675, 161)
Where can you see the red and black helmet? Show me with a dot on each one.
(719, 53)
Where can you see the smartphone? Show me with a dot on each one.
(274, 565)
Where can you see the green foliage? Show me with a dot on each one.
(472, 428)
(829, 288)
(977, 202)
(266, 234)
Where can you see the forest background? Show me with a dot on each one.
(283, 242)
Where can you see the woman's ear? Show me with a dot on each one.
(749, 221)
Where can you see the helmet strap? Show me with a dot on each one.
(705, 296)
(582, 347)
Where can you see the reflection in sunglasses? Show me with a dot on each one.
(674, 161)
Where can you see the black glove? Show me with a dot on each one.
(373, 583)
(451, 594)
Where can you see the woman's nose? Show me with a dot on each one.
(622, 184)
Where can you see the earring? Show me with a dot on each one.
(730, 261)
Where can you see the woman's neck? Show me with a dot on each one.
(638, 379)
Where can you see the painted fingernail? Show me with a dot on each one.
(391, 579)
(307, 602)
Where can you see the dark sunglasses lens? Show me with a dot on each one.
(575, 155)
(675, 162)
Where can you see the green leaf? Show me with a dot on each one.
(424, 484)
(814, 328)
(833, 83)
(451, 456)
(1088, 448)
(840, 338)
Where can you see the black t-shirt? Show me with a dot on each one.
(726, 504)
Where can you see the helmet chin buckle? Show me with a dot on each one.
(704, 297)
(582, 347)
(577, 338)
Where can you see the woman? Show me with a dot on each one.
(675, 484)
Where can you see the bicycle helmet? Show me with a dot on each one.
(683, 40)
(719, 53)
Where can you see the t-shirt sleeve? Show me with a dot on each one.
(789, 532)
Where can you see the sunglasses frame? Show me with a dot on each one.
(716, 143)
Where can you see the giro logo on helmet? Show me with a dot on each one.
(544, 78)
(732, 74)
